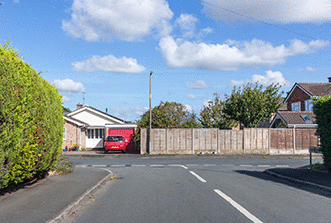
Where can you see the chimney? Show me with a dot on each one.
(79, 106)
(107, 110)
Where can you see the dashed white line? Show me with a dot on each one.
(282, 166)
(197, 176)
(117, 165)
(155, 165)
(238, 207)
(263, 165)
(227, 164)
(138, 165)
(99, 165)
(209, 165)
(192, 165)
(81, 165)
(179, 165)
(246, 165)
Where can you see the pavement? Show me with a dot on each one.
(54, 198)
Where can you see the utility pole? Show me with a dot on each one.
(150, 110)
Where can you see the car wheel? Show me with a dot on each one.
(106, 151)
(124, 151)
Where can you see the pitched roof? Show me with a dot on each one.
(312, 89)
(317, 89)
(295, 117)
(74, 120)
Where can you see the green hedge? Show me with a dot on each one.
(31, 121)
(322, 110)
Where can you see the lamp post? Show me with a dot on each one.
(150, 110)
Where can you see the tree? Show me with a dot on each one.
(252, 104)
(322, 110)
(168, 115)
(31, 121)
(212, 115)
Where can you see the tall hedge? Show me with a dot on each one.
(322, 110)
(31, 121)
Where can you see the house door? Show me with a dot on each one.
(94, 138)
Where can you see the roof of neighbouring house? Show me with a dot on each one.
(312, 89)
(317, 89)
(295, 117)
(74, 120)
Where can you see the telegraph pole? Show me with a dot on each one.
(150, 110)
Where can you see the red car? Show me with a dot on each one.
(115, 143)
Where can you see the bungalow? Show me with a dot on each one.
(89, 127)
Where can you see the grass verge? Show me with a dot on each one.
(63, 166)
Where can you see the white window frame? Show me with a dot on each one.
(296, 106)
(64, 133)
(308, 105)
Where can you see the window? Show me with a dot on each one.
(64, 133)
(89, 133)
(92, 133)
(97, 133)
(307, 119)
(296, 106)
(101, 133)
(308, 105)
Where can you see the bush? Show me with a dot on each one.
(31, 121)
(322, 110)
(63, 165)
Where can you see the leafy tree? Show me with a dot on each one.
(66, 110)
(168, 115)
(252, 104)
(212, 115)
(31, 121)
(322, 110)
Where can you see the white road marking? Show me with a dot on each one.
(282, 166)
(138, 165)
(191, 165)
(99, 165)
(238, 207)
(247, 165)
(117, 165)
(263, 165)
(156, 165)
(209, 165)
(197, 176)
(179, 165)
(81, 165)
(227, 165)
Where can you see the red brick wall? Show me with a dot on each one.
(73, 135)
(297, 95)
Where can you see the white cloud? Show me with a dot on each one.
(311, 69)
(128, 114)
(270, 78)
(232, 54)
(189, 108)
(109, 64)
(200, 84)
(66, 99)
(187, 22)
(191, 97)
(281, 11)
(68, 85)
(206, 102)
(117, 19)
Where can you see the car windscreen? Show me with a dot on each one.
(115, 139)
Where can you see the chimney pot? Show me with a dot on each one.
(79, 106)
(329, 79)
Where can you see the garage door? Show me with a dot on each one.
(127, 134)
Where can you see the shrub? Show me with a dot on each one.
(31, 121)
(63, 165)
(322, 110)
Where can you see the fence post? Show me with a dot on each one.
(166, 140)
(269, 141)
(244, 140)
(192, 141)
(293, 139)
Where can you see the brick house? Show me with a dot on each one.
(88, 127)
(299, 106)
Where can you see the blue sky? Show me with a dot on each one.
(194, 47)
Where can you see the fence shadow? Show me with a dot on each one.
(267, 177)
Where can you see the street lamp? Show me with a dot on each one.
(150, 110)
